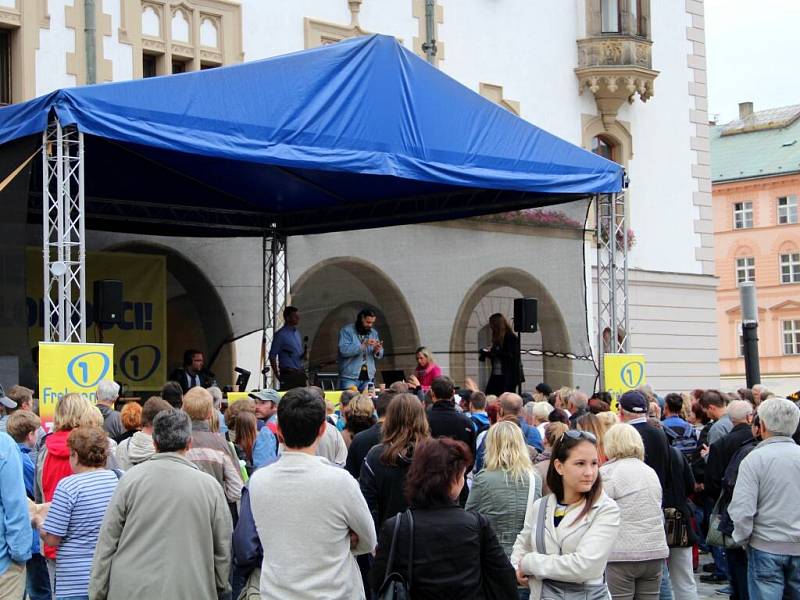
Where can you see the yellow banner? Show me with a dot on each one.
(331, 396)
(71, 368)
(623, 372)
(140, 339)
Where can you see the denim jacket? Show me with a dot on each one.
(351, 355)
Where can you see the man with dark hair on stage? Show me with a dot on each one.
(192, 373)
(359, 348)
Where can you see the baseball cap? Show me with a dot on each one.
(267, 395)
(633, 401)
(5, 400)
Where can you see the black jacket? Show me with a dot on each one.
(382, 485)
(179, 375)
(360, 446)
(454, 552)
(720, 455)
(510, 361)
(681, 486)
(446, 421)
(657, 451)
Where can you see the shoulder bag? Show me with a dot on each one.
(395, 586)
(716, 537)
(564, 590)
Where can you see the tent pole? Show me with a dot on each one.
(275, 288)
(612, 277)
(63, 234)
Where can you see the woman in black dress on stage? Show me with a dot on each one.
(504, 354)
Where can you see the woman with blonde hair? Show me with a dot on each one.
(427, 370)
(360, 416)
(503, 354)
(383, 472)
(608, 418)
(635, 565)
(595, 426)
(506, 485)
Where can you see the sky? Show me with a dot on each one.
(752, 54)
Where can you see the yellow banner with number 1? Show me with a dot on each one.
(623, 372)
(71, 368)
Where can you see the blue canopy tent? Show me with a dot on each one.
(358, 134)
(362, 133)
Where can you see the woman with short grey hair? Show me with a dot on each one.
(635, 566)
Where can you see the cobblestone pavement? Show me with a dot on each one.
(706, 591)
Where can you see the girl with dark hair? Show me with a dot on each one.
(455, 552)
(580, 524)
(504, 356)
(383, 472)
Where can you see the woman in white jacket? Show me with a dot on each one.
(637, 559)
(580, 523)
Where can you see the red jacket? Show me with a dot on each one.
(56, 466)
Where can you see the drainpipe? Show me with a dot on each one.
(89, 29)
(429, 47)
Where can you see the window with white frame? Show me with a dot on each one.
(745, 269)
(791, 336)
(790, 268)
(787, 210)
(742, 215)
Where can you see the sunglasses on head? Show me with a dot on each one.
(574, 434)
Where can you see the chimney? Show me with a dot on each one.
(745, 109)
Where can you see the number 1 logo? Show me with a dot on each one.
(88, 369)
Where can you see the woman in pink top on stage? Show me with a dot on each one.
(426, 370)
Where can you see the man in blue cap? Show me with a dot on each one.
(265, 449)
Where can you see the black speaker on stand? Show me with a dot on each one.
(107, 304)
(526, 311)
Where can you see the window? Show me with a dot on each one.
(609, 15)
(5, 67)
(790, 268)
(604, 147)
(745, 269)
(742, 215)
(791, 337)
(178, 66)
(787, 210)
(149, 68)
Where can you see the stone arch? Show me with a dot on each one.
(552, 327)
(330, 294)
(196, 315)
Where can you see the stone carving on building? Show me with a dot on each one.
(321, 33)
(615, 69)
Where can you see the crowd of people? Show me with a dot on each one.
(447, 492)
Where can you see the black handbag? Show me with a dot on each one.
(395, 586)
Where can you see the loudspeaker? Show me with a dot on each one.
(525, 315)
(108, 301)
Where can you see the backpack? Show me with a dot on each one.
(683, 440)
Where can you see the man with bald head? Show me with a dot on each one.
(511, 410)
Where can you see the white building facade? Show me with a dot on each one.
(622, 77)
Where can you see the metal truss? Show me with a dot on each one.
(63, 234)
(612, 276)
(275, 288)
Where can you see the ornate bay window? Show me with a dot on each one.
(614, 59)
